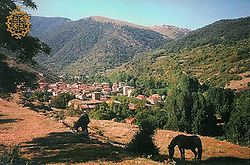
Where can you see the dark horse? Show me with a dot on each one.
(82, 122)
(186, 142)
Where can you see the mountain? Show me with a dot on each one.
(92, 44)
(220, 32)
(166, 30)
(170, 31)
(217, 54)
(42, 25)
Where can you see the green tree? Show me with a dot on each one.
(221, 101)
(41, 95)
(189, 83)
(156, 117)
(237, 129)
(61, 100)
(12, 76)
(102, 112)
(189, 112)
(203, 118)
(142, 143)
(184, 111)
(24, 49)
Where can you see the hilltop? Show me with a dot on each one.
(217, 54)
(92, 44)
(170, 31)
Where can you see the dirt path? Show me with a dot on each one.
(19, 125)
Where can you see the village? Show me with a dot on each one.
(87, 96)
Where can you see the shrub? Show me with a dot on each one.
(41, 96)
(11, 156)
(70, 111)
(102, 112)
(6, 96)
(142, 143)
(61, 100)
(157, 117)
(59, 115)
(108, 112)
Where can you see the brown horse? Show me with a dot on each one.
(186, 142)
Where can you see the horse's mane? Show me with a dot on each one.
(186, 142)
(174, 140)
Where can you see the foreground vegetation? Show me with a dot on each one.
(189, 107)
(215, 55)
(57, 145)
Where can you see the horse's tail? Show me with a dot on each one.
(199, 149)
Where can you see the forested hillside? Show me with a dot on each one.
(92, 44)
(191, 73)
(225, 32)
(43, 25)
(216, 54)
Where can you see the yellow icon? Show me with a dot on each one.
(18, 23)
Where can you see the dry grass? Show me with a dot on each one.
(42, 140)
(240, 84)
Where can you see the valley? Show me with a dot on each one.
(115, 82)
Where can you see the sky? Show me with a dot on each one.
(190, 14)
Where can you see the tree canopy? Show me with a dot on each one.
(24, 50)
(27, 47)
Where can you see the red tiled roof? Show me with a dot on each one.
(141, 97)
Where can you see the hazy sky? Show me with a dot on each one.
(191, 14)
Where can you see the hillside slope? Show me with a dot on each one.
(216, 54)
(13, 72)
(44, 141)
(42, 25)
(93, 44)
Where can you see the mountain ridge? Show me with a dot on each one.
(170, 30)
(165, 29)
(216, 54)
(79, 46)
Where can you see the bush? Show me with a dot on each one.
(11, 156)
(108, 112)
(41, 96)
(70, 111)
(59, 115)
(157, 117)
(61, 100)
(102, 112)
(6, 96)
(142, 143)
